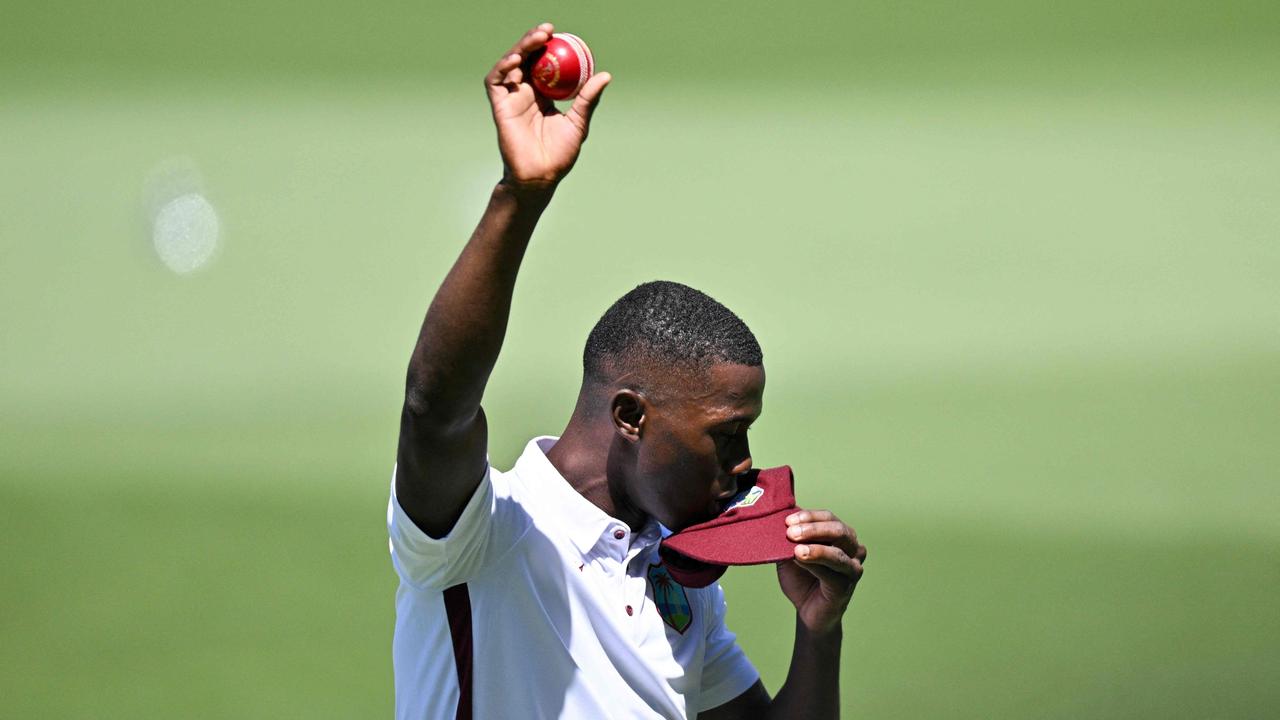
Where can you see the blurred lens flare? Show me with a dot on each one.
(185, 233)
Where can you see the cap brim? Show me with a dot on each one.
(750, 542)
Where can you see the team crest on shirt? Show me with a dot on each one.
(747, 498)
(670, 598)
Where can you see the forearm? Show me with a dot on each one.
(464, 327)
(812, 688)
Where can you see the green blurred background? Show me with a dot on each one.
(1015, 267)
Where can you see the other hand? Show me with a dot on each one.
(826, 569)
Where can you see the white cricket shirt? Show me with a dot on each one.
(539, 605)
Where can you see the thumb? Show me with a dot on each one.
(589, 97)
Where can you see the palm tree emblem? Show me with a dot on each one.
(670, 598)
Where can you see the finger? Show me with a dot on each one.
(821, 526)
(836, 583)
(829, 557)
(501, 69)
(826, 531)
(584, 106)
(808, 516)
(530, 41)
(534, 39)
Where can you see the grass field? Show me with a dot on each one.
(1021, 330)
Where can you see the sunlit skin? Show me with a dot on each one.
(667, 446)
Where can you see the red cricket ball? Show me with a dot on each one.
(562, 67)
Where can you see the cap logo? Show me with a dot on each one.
(747, 499)
(670, 598)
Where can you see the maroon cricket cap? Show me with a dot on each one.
(752, 530)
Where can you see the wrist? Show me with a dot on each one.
(532, 193)
(825, 638)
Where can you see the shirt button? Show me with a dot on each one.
(619, 534)
(630, 611)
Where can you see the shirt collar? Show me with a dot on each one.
(583, 522)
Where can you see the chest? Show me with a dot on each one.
(638, 595)
(614, 607)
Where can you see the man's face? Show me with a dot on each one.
(694, 444)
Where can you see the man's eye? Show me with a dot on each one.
(731, 435)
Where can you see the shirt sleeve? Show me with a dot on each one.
(429, 563)
(726, 671)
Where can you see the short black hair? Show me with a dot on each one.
(668, 325)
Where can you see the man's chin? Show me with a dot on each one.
(683, 523)
(675, 526)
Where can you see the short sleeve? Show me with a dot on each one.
(726, 671)
(437, 563)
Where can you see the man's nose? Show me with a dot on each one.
(729, 484)
(744, 460)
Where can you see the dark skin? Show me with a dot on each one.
(645, 442)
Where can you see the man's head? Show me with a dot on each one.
(680, 379)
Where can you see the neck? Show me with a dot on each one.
(581, 456)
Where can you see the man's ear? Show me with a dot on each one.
(629, 409)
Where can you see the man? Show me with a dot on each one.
(539, 592)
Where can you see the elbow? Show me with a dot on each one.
(428, 413)
(424, 395)
(417, 402)
(423, 410)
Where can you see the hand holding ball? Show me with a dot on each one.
(562, 67)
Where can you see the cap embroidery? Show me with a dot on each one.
(748, 498)
(670, 598)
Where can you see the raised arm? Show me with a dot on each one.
(443, 435)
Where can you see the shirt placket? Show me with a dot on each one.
(610, 557)
(622, 559)
(637, 584)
